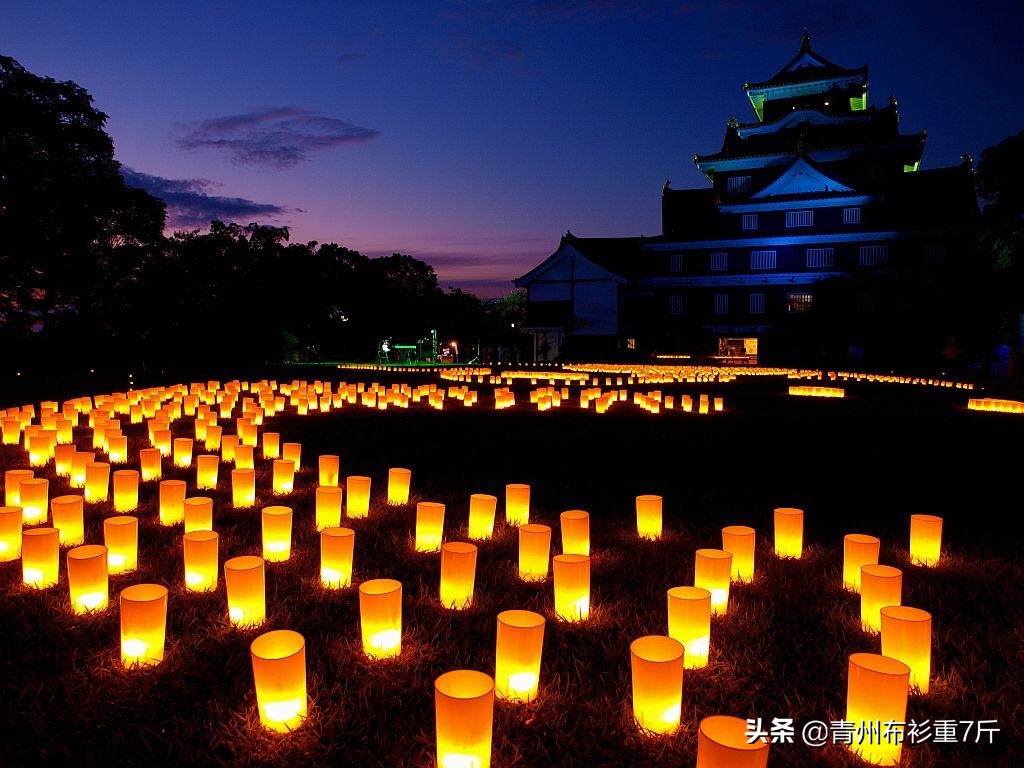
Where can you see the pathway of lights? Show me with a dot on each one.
(34, 528)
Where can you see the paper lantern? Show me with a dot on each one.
(117, 448)
(329, 467)
(40, 548)
(481, 515)
(162, 441)
(292, 452)
(35, 500)
(713, 572)
(336, 548)
(271, 445)
(12, 431)
(200, 551)
(126, 490)
(150, 464)
(279, 674)
(228, 448)
(357, 488)
(198, 513)
(925, 539)
(858, 550)
(121, 537)
(277, 534)
(380, 617)
(246, 590)
(572, 587)
(10, 533)
(648, 516)
(689, 622)
(789, 532)
(740, 542)
(172, 501)
(575, 532)
(657, 668)
(518, 651)
(429, 526)
(87, 578)
(207, 469)
(464, 712)
(214, 436)
(907, 636)
(284, 477)
(880, 585)
(722, 742)
(458, 574)
(243, 488)
(97, 482)
(534, 551)
(876, 695)
(517, 504)
(12, 485)
(79, 461)
(63, 456)
(143, 624)
(398, 485)
(328, 507)
(244, 457)
(68, 518)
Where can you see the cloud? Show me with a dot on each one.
(276, 137)
(190, 206)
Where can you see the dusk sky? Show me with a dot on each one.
(473, 133)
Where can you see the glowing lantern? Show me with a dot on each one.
(357, 487)
(429, 526)
(35, 501)
(380, 617)
(246, 590)
(97, 482)
(722, 742)
(68, 518)
(172, 501)
(292, 452)
(572, 587)
(79, 461)
(534, 551)
(880, 585)
(284, 477)
(398, 485)
(243, 488)
(214, 434)
(575, 532)
(207, 469)
(464, 711)
(143, 624)
(657, 667)
(458, 574)
(271, 445)
(907, 636)
(876, 705)
(12, 431)
(713, 571)
(925, 539)
(10, 533)
(200, 550)
(336, 548)
(329, 468)
(87, 578)
(789, 532)
(244, 457)
(117, 449)
(40, 549)
(328, 507)
(279, 673)
(63, 455)
(739, 541)
(689, 622)
(149, 464)
(228, 448)
(162, 441)
(517, 655)
(198, 513)
(481, 515)
(858, 550)
(517, 504)
(12, 485)
(648, 516)
(277, 534)
(126, 490)
(121, 536)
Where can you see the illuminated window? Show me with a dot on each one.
(820, 257)
(737, 184)
(675, 262)
(749, 221)
(630, 343)
(721, 303)
(859, 103)
(718, 262)
(799, 302)
(851, 215)
(873, 255)
(757, 303)
(675, 304)
(763, 259)
(799, 218)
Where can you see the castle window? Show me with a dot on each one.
(675, 304)
(763, 259)
(820, 257)
(851, 215)
(799, 218)
(631, 343)
(718, 262)
(873, 255)
(675, 262)
(935, 255)
(799, 302)
(721, 303)
(757, 303)
(749, 221)
(737, 184)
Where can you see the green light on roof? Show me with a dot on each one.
(911, 168)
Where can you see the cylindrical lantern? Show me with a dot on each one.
(143, 624)
(357, 488)
(517, 504)
(429, 526)
(228, 448)
(12, 485)
(63, 455)
(398, 485)
(517, 655)
(284, 477)
(279, 673)
(40, 549)
(458, 574)
(172, 501)
(336, 548)
(79, 463)
(534, 551)
(271, 445)
(907, 636)
(575, 532)
(246, 590)
(121, 536)
(739, 541)
(243, 488)
(162, 441)
(87, 578)
(126, 490)
(481, 515)
(328, 506)
(689, 622)
(722, 742)
(117, 448)
(657, 666)
(277, 534)
(200, 549)
(149, 464)
(329, 466)
(464, 711)
(35, 500)
(572, 586)
(925, 539)
(10, 533)
(292, 452)
(183, 451)
(880, 585)
(876, 705)
(712, 571)
(789, 532)
(207, 469)
(198, 513)
(214, 433)
(648, 516)
(380, 617)
(858, 550)
(244, 457)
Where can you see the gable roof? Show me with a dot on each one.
(801, 178)
(807, 66)
(617, 256)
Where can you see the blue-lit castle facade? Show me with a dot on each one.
(819, 239)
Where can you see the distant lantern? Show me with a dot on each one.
(143, 624)
(10, 533)
(534, 551)
(789, 532)
(880, 585)
(481, 515)
(271, 445)
(517, 504)
(713, 571)
(328, 507)
(121, 537)
(329, 467)
(245, 585)
(398, 485)
(97, 482)
(336, 549)
(207, 469)
(876, 706)
(657, 672)
(198, 513)
(689, 622)
(284, 477)
(292, 452)
(907, 636)
(87, 578)
(464, 712)
(648, 516)
(572, 587)
(925, 539)
(380, 617)
(279, 675)
(277, 534)
(12, 485)
(859, 550)
(458, 574)
(722, 742)
(172, 501)
(740, 542)
(243, 488)
(35, 500)
(126, 490)
(200, 552)
(357, 488)
(149, 464)
(575, 532)
(429, 526)
(520, 645)
(68, 518)
(244, 457)
(40, 550)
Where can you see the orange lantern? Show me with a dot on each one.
(277, 534)
(464, 711)
(358, 489)
(328, 507)
(880, 585)
(518, 652)
(214, 435)
(244, 457)
(722, 742)
(517, 504)
(534, 551)
(198, 513)
(246, 590)
(689, 622)
(35, 501)
(336, 549)
(97, 482)
(207, 469)
(200, 551)
(329, 467)
(10, 533)
(572, 587)
(648, 516)
(284, 477)
(713, 572)
(858, 550)
(789, 532)
(429, 526)
(279, 674)
(292, 452)
(907, 636)
(149, 464)
(876, 705)
(121, 537)
(481, 515)
(87, 578)
(271, 445)
(458, 574)
(740, 541)
(143, 624)
(228, 448)
(79, 462)
(117, 448)
(40, 549)
(63, 455)
(12, 485)
(575, 532)
(243, 488)
(657, 667)
(380, 617)
(126, 490)
(172, 501)
(398, 485)
(925, 539)
(68, 518)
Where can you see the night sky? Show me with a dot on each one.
(473, 133)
